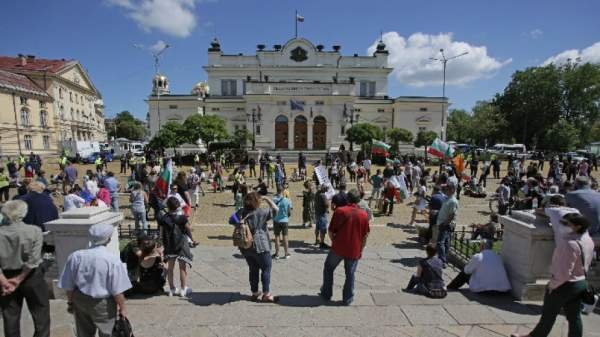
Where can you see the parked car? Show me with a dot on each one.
(92, 158)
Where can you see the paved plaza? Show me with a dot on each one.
(220, 306)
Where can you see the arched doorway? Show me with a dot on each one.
(300, 133)
(281, 132)
(319, 133)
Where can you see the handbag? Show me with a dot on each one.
(122, 327)
(589, 295)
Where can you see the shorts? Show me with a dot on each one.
(321, 224)
(280, 228)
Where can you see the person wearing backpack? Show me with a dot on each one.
(281, 221)
(258, 254)
(176, 229)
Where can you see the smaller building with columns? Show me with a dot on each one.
(297, 96)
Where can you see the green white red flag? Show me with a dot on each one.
(440, 149)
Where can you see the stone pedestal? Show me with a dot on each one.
(70, 232)
(527, 247)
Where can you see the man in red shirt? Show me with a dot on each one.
(348, 232)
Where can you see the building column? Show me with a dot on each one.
(291, 134)
(309, 135)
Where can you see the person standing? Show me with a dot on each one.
(308, 204)
(20, 274)
(339, 199)
(95, 280)
(571, 260)
(496, 166)
(377, 182)
(4, 185)
(587, 201)
(123, 161)
(348, 232)
(281, 222)
(112, 185)
(138, 199)
(435, 204)
(176, 231)
(446, 222)
(258, 256)
(321, 212)
(252, 167)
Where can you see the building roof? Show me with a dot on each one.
(32, 63)
(12, 81)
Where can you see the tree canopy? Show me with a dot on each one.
(127, 126)
(397, 135)
(363, 133)
(208, 128)
(540, 107)
(171, 135)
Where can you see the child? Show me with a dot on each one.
(308, 204)
(238, 199)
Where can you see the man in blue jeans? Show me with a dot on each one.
(446, 222)
(348, 232)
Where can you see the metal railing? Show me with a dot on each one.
(130, 232)
(462, 246)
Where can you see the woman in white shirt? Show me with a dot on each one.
(420, 201)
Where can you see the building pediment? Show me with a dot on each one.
(78, 76)
(423, 120)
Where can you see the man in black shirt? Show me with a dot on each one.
(388, 171)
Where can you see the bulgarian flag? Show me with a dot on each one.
(380, 148)
(440, 149)
(164, 180)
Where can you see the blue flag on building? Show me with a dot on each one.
(297, 105)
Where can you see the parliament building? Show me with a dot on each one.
(297, 96)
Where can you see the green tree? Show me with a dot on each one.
(363, 134)
(460, 124)
(562, 137)
(531, 103)
(127, 126)
(171, 135)
(241, 137)
(208, 128)
(425, 138)
(487, 124)
(397, 135)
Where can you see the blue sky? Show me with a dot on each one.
(501, 37)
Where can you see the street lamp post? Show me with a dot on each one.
(444, 60)
(254, 118)
(156, 55)
(350, 119)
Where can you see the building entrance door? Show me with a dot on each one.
(281, 132)
(300, 133)
(319, 133)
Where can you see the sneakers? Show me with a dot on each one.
(323, 245)
(275, 257)
(287, 256)
(185, 292)
(173, 292)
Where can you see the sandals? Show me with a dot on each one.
(269, 299)
(255, 297)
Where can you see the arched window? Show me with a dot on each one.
(43, 118)
(24, 117)
(72, 114)
(281, 119)
(60, 93)
(70, 96)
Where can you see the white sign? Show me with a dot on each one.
(321, 172)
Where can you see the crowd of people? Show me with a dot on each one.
(97, 283)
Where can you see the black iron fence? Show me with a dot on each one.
(464, 243)
(129, 232)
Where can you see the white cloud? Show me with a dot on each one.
(173, 17)
(535, 33)
(590, 54)
(410, 58)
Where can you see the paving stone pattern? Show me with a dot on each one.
(220, 306)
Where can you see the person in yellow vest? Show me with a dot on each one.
(99, 164)
(132, 163)
(21, 160)
(62, 162)
(4, 185)
(143, 160)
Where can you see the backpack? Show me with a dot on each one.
(176, 236)
(242, 235)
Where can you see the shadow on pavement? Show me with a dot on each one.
(503, 302)
(311, 250)
(407, 261)
(222, 205)
(304, 301)
(216, 298)
(408, 245)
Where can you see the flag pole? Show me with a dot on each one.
(296, 24)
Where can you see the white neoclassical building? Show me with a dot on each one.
(297, 96)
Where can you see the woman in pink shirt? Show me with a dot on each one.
(568, 269)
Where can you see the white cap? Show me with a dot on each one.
(100, 234)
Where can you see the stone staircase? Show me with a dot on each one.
(291, 156)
